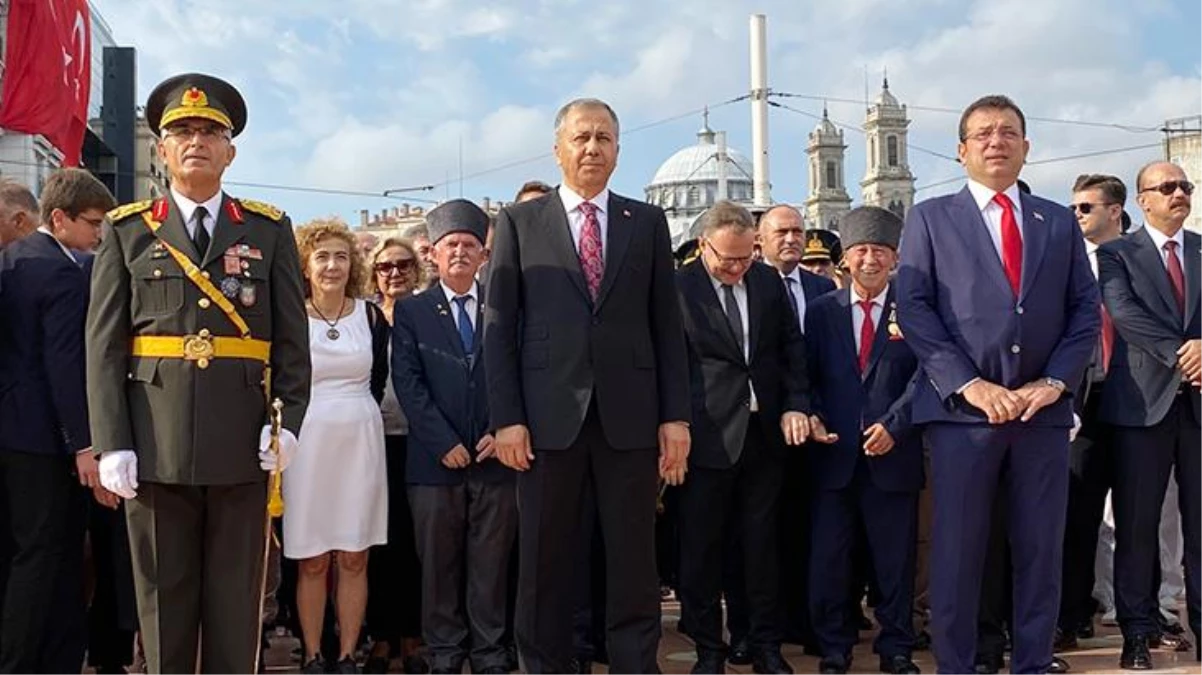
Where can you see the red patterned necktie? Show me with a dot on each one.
(591, 261)
(867, 334)
(1012, 242)
(1176, 276)
(1107, 339)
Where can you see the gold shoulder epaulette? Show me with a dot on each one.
(262, 208)
(127, 210)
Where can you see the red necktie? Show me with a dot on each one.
(591, 261)
(1107, 339)
(1012, 242)
(1176, 276)
(867, 334)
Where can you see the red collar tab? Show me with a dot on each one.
(160, 209)
(234, 210)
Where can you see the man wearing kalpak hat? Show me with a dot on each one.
(463, 499)
(197, 307)
(862, 371)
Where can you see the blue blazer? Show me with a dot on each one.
(848, 403)
(442, 391)
(961, 318)
(43, 399)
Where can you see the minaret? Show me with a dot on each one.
(828, 199)
(888, 182)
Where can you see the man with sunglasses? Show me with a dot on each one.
(750, 403)
(1150, 286)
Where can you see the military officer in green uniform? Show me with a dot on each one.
(197, 307)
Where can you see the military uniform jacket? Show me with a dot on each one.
(191, 425)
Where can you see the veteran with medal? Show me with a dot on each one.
(197, 307)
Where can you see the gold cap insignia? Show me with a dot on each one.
(194, 98)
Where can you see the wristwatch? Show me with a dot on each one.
(1054, 384)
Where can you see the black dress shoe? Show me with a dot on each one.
(1135, 654)
(834, 665)
(899, 664)
(1086, 632)
(709, 663)
(1065, 641)
(987, 665)
(1058, 666)
(1172, 643)
(1170, 627)
(771, 662)
(740, 654)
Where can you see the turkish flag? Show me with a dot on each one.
(48, 69)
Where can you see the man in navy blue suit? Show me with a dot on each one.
(463, 499)
(44, 435)
(997, 300)
(863, 379)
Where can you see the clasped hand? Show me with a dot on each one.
(1003, 405)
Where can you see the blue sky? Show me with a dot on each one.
(368, 95)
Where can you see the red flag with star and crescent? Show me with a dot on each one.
(47, 73)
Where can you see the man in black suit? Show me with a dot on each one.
(1149, 283)
(44, 434)
(782, 239)
(587, 374)
(464, 507)
(747, 366)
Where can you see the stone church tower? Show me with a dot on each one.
(828, 199)
(888, 182)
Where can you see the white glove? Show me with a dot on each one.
(268, 460)
(119, 472)
(1072, 433)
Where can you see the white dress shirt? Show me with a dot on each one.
(991, 211)
(740, 291)
(798, 294)
(1160, 239)
(187, 207)
(1091, 251)
(571, 204)
(857, 313)
(473, 297)
(70, 256)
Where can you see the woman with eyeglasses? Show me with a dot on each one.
(335, 492)
(394, 572)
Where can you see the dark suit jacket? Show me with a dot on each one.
(1143, 379)
(551, 351)
(848, 403)
(719, 373)
(961, 318)
(813, 285)
(441, 390)
(43, 400)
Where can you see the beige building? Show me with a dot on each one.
(394, 222)
(150, 180)
(1183, 147)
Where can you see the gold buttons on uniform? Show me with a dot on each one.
(157, 273)
(202, 363)
(204, 333)
(205, 274)
(204, 303)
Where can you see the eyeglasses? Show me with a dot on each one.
(1008, 134)
(399, 266)
(1086, 207)
(208, 132)
(1168, 187)
(730, 260)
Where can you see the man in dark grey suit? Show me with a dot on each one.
(587, 372)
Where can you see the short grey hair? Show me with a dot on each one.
(16, 197)
(726, 214)
(585, 103)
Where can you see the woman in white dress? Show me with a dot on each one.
(335, 494)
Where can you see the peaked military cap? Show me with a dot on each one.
(870, 225)
(457, 215)
(822, 245)
(195, 96)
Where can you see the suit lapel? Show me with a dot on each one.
(703, 291)
(619, 230)
(845, 327)
(559, 234)
(226, 233)
(478, 337)
(756, 296)
(1193, 274)
(173, 231)
(971, 227)
(1035, 243)
(1148, 258)
(881, 336)
(442, 314)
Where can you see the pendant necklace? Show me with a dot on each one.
(332, 332)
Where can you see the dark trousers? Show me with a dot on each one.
(551, 501)
(993, 614)
(394, 573)
(714, 502)
(1091, 474)
(113, 616)
(970, 464)
(890, 521)
(34, 515)
(1144, 458)
(588, 619)
(198, 565)
(66, 638)
(794, 539)
(464, 534)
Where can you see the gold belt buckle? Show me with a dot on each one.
(199, 348)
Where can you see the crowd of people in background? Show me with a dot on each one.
(503, 442)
